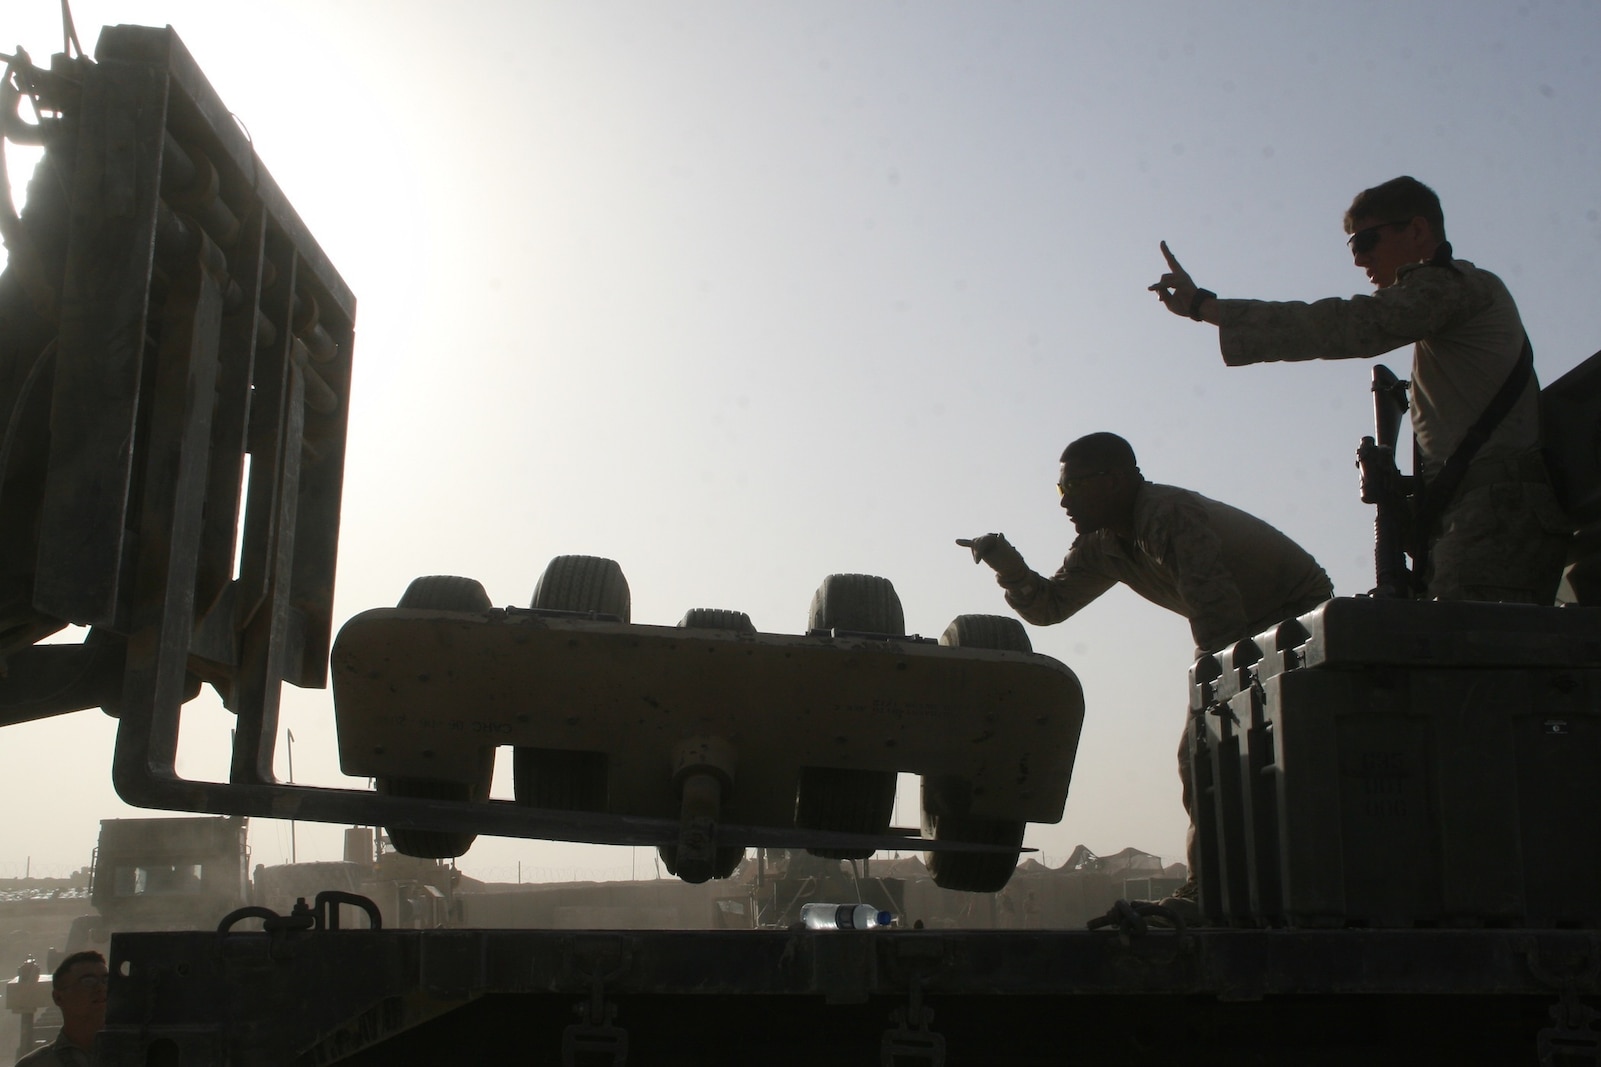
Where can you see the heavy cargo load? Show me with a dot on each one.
(711, 724)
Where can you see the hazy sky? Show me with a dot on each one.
(745, 294)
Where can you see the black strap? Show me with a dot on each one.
(1444, 257)
(1443, 486)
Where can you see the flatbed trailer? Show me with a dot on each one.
(162, 266)
(1210, 996)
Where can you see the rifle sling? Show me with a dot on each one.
(1437, 493)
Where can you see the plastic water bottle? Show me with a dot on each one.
(843, 917)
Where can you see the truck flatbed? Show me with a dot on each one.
(1210, 996)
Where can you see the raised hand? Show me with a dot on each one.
(1176, 289)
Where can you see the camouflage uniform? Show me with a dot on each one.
(59, 1053)
(1231, 574)
(1503, 536)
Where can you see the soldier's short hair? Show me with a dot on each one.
(1397, 200)
(1107, 451)
(58, 979)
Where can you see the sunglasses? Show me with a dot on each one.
(1067, 485)
(1364, 241)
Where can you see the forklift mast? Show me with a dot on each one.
(175, 354)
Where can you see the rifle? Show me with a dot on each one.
(1384, 485)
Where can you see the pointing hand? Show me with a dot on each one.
(1176, 289)
(997, 551)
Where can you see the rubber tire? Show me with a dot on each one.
(1001, 632)
(832, 798)
(727, 860)
(717, 619)
(429, 844)
(584, 583)
(860, 602)
(445, 592)
(557, 779)
(437, 592)
(975, 872)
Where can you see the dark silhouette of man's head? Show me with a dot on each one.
(1098, 483)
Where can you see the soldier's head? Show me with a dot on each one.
(1393, 224)
(1098, 481)
(78, 987)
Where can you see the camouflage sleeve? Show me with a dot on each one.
(1425, 299)
(1191, 551)
(1043, 601)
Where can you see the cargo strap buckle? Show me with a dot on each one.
(594, 1040)
(1221, 709)
(910, 1041)
(1572, 1039)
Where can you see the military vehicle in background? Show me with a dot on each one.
(411, 893)
(191, 873)
(1397, 860)
(163, 874)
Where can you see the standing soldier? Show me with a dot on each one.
(1489, 525)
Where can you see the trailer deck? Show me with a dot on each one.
(1210, 996)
